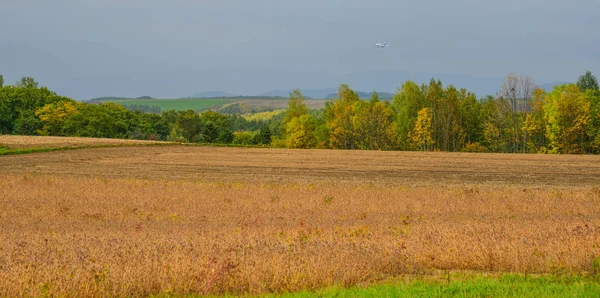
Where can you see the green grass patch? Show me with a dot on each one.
(507, 285)
(510, 285)
(181, 104)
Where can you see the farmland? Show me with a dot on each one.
(180, 104)
(177, 219)
(200, 104)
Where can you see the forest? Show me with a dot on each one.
(520, 118)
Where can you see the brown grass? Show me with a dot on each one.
(21, 142)
(140, 221)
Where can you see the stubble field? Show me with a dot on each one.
(134, 221)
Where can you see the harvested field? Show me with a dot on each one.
(312, 166)
(135, 221)
(20, 142)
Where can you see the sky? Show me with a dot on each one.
(90, 48)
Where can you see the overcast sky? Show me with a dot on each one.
(87, 48)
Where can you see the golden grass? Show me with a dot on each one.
(80, 223)
(21, 142)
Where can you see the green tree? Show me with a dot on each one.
(217, 127)
(263, 137)
(191, 125)
(409, 99)
(27, 82)
(1, 81)
(296, 107)
(588, 82)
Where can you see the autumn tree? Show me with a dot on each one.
(54, 117)
(567, 113)
(421, 137)
(534, 127)
(339, 116)
(296, 107)
(374, 124)
(497, 124)
(298, 125)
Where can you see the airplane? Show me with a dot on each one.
(382, 45)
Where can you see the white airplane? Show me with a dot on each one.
(382, 45)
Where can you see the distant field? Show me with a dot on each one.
(184, 220)
(199, 104)
(180, 104)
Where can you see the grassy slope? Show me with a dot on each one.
(175, 104)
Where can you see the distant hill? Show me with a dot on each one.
(309, 93)
(109, 98)
(549, 86)
(213, 94)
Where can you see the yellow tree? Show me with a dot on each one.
(534, 127)
(374, 124)
(339, 115)
(54, 116)
(421, 137)
(567, 113)
(301, 132)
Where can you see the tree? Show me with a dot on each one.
(517, 91)
(191, 125)
(301, 132)
(534, 127)
(374, 124)
(27, 82)
(409, 99)
(54, 117)
(588, 82)
(421, 137)
(567, 113)
(339, 115)
(298, 125)
(1, 81)
(217, 127)
(263, 137)
(296, 107)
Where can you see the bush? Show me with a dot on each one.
(474, 147)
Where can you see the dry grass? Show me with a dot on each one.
(80, 223)
(247, 165)
(21, 142)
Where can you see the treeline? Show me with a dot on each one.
(433, 117)
(426, 117)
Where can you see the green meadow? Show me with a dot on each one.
(179, 104)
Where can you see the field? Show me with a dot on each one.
(180, 104)
(186, 220)
(199, 104)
